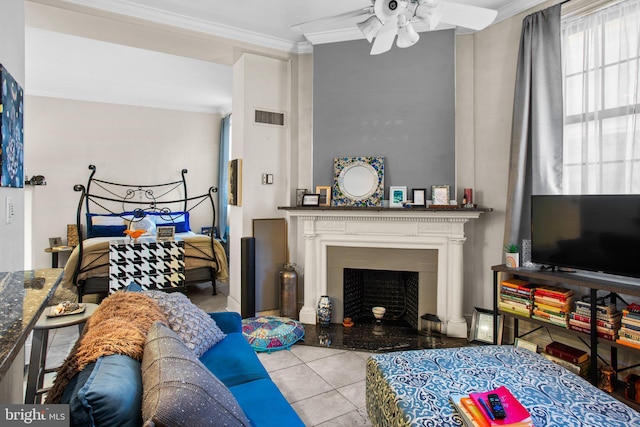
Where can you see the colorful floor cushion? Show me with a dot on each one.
(271, 333)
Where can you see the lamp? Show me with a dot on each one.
(407, 36)
(430, 12)
(370, 27)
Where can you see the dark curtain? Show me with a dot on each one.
(536, 138)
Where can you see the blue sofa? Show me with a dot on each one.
(109, 391)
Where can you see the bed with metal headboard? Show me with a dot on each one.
(128, 221)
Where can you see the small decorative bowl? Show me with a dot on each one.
(378, 312)
(347, 322)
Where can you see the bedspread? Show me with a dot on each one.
(412, 388)
(95, 259)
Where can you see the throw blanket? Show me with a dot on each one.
(118, 326)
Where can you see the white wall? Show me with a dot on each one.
(127, 144)
(258, 83)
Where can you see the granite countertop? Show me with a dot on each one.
(23, 297)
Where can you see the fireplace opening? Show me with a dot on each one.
(396, 291)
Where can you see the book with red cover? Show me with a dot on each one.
(517, 415)
(568, 353)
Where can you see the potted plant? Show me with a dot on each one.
(512, 255)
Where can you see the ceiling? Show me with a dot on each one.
(90, 70)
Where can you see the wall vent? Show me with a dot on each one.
(269, 117)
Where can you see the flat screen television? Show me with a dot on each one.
(587, 232)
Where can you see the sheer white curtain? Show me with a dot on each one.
(601, 149)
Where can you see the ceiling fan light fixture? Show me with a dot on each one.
(407, 35)
(370, 27)
(430, 13)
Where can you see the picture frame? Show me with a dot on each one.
(397, 196)
(520, 343)
(482, 326)
(300, 192)
(325, 195)
(235, 182)
(55, 242)
(440, 195)
(165, 233)
(311, 200)
(419, 197)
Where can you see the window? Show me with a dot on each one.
(601, 153)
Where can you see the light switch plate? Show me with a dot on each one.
(10, 210)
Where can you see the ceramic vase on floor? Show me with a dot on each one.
(325, 307)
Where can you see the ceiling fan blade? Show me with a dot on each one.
(353, 14)
(385, 37)
(463, 15)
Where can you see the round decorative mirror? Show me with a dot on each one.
(358, 181)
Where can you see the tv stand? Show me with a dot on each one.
(614, 288)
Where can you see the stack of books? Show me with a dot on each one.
(516, 296)
(475, 411)
(571, 358)
(553, 304)
(629, 333)
(608, 319)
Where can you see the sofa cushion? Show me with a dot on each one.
(233, 361)
(178, 390)
(195, 327)
(106, 393)
(265, 405)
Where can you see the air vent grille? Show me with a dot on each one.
(269, 118)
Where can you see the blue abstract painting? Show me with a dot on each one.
(12, 131)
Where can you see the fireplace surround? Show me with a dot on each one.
(415, 229)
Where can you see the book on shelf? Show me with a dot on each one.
(466, 416)
(581, 369)
(587, 326)
(604, 335)
(516, 414)
(519, 284)
(634, 307)
(607, 317)
(553, 291)
(630, 335)
(564, 310)
(563, 322)
(615, 324)
(566, 352)
(600, 308)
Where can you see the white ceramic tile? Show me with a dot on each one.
(355, 393)
(307, 353)
(278, 360)
(299, 382)
(357, 418)
(324, 407)
(340, 370)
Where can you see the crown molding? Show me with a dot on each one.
(127, 8)
(124, 7)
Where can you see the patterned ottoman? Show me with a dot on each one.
(412, 388)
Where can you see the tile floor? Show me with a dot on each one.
(326, 387)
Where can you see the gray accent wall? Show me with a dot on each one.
(399, 105)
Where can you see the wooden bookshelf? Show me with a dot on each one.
(592, 340)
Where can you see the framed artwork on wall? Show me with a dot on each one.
(440, 195)
(11, 131)
(397, 196)
(235, 182)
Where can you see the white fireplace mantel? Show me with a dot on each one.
(415, 228)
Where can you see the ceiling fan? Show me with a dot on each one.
(390, 18)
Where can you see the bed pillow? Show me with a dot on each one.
(179, 390)
(196, 328)
(147, 223)
(106, 225)
(106, 231)
(180, 220)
